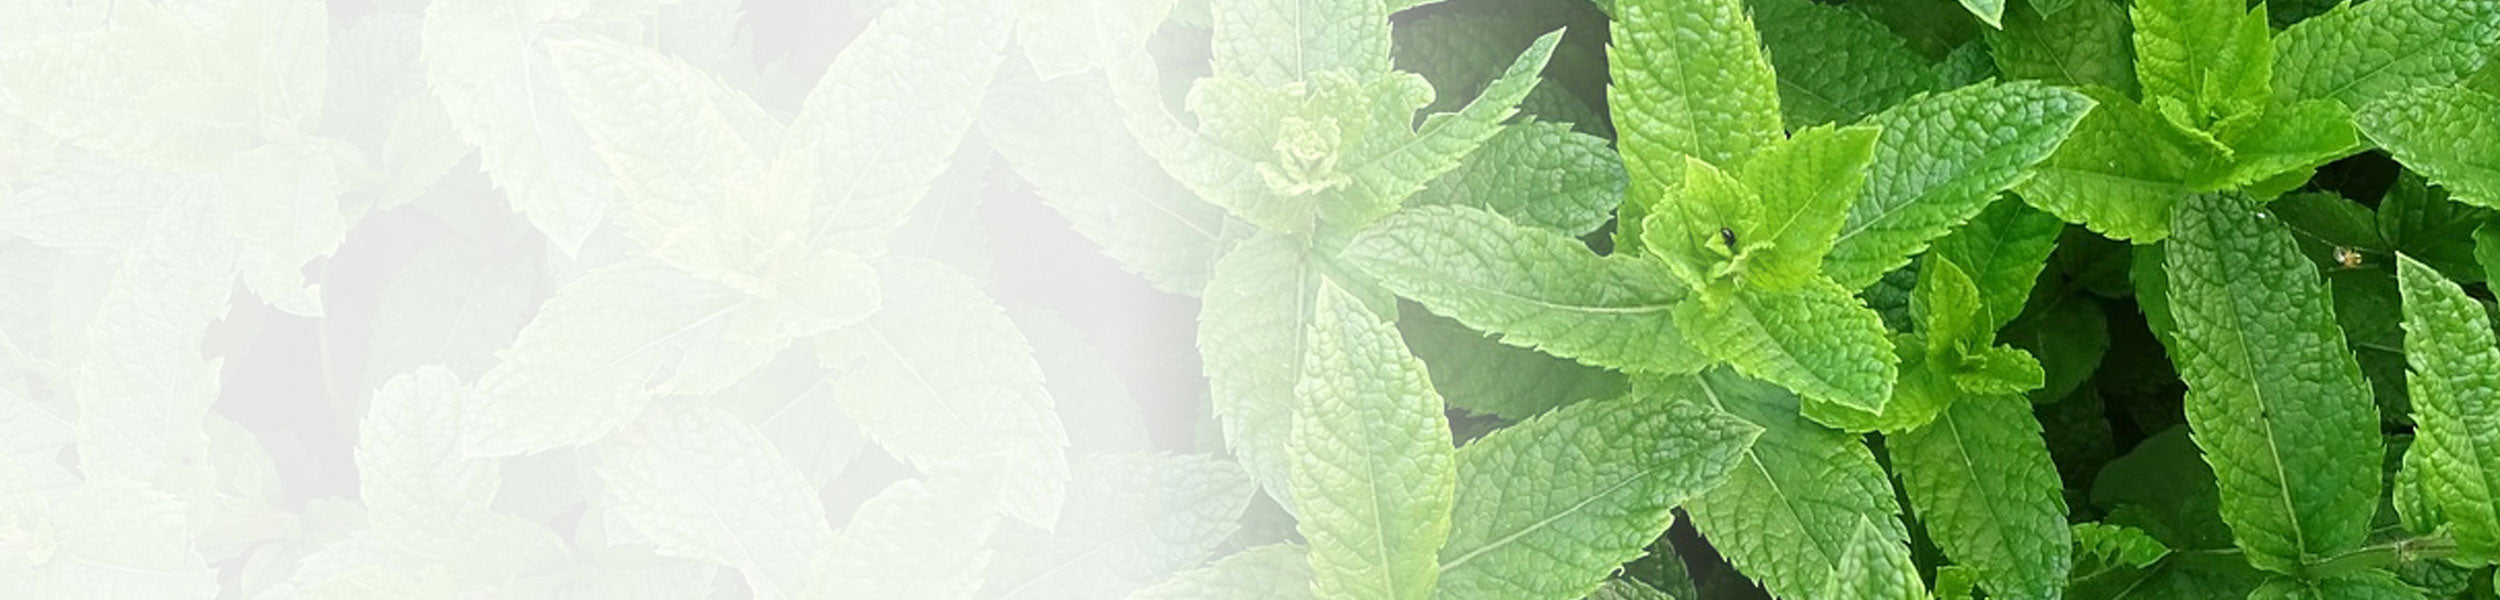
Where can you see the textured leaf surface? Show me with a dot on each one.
(1537, 174)
(1981, 478)
(1789, 511)
(2455, 387)
(2277, 403)
(1273, 42)
(1610, 472)
(1836, 65)
(2002, 250)
(915, 539)
(1065, 137)
(2121, 174)
(2210, 55)
(483, 60)
(1941, 160)
(2367, 51)
(697, 483)
(1444, 140)
(1371, 458)
(2444, 133)
(948, 379)
(2089, 44)
(1870, 569)
(889, 112)
(1817, 340)
(1480, 374)
(1534, 287)
(582, 366)
(418, 489)
(1131, 520)
(1274, 572)
(1251, 334)
(2364, 585)
(1689, 79)
(141, 387)
(1807, 184)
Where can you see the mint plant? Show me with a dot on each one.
(1188, 299)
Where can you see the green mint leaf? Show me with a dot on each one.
(2443, 133)
(2455, 388)
(1251, 337)
(578, 369)
(2423, 222)
(1274, 572)
(1066, 138)
(1626, 589)
(1612, 469)
(2089, 44)
(1981, 478)
(93, 204)
(2372, 584)
(2416, 509)
(1789, 511)
(669, 474)
(453, 305)
(2487, 250)
(1942, 158)
(500, 88)
(1708, 230)
(874, 131)
(119, 538)
(1274, 42)
(917, 538)
(1946, 307)
(418, 489)
(1480, 374)
(2361, 53)
(941, 349)
(1069, 37)
(139, 89)
(1806, 184)
(1371, 458)
(2121, 174)
(1217, 174)
(2102, 545)
(1689, 79)
(1817, 340)
(2003, 251)
(1533, 287)
(1537, 174)
(1923, 388)
(1999, 370)
(1383, 179)
(2215, 57)
(281, 206)
(141, 388)
(1131, 521)
(1872, 567)
(1835, 65)
(2278, 404)
(2286, 140)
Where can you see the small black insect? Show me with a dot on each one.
(1728, 236)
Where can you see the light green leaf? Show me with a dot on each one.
(1817, 340)
(1707, 231)
(2213, 56)
(1251, 337)
(1382, 180)
(2278, 405)
(2102, 545)
(120, 539)
(1065, 137)
(150, 87)
(1534, 287)
(2455, 387)
(483, 60)
(1981, 478)
(1871, 569)
(1537, 174)
(1476, 372)
(1610, 472)
(580, 368)
(2088, 44)
(1941, 160)
(1217, 174)
(1273, 572)
(1131, 521)
(2286, 140)
(141, 387)
(1788, 513)
(85, 202)
(1946, 307)
(669, 475)
(1689, 79)
(1807, 184)
(1068, 37)
(2361, 585)
(418, 489)
(1371, 458)
(942, 349)
(2121, 174)
(919, 538)
(2487, 250)
(452, 305)
(2445, 134)
(2367, 51)
(876, 129)
(1836, 65)
(1626, 589)
(2000, 370)
(1272, 42)
(1924, 388)
(2002, 250)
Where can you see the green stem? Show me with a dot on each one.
(2384, 554)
